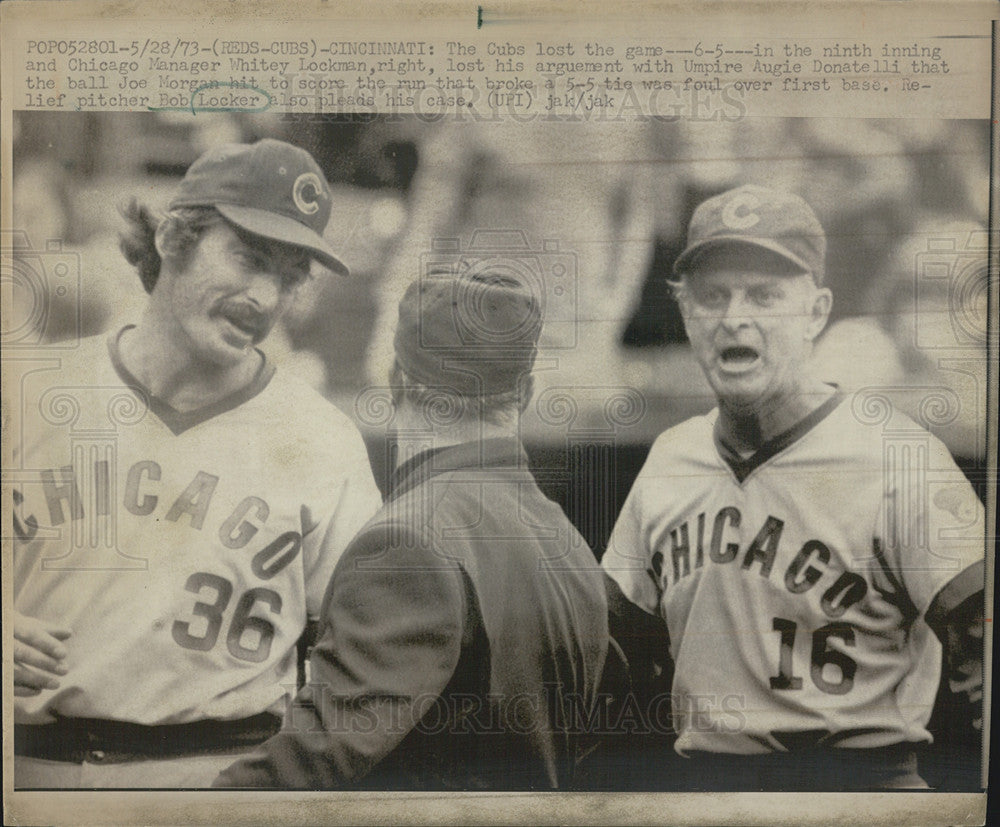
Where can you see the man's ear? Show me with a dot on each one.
(679, 293)
(396, 388)
(821, 304)
(160, 237)
(527, 391)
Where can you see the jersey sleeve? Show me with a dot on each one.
(391, 639)
(627, 561)
(933, 532)
(352, 503)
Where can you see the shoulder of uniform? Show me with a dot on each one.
(307, 414)
(685, 436)
(306, 399)
(687, 442)
(865, 425)
(872, 415)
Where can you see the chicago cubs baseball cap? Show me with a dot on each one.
(270, 188)
(477, 335)
(768, 219)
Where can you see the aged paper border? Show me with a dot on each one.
(549, 808)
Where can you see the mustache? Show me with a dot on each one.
(244, 316)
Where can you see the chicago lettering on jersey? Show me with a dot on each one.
(690, 543)
(63, 500)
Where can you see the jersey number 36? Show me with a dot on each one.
(241, 622)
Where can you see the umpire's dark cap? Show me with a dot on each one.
(476, 335)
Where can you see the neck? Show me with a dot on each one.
(747, 428)
(153, 352)
(414, 434)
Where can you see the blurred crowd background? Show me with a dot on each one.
(592, 214)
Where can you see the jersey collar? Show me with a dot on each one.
(180, 421)
(743, 468)
(496, 453)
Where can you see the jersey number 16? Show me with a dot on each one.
(822, 655)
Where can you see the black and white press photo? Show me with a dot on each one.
(396, 453)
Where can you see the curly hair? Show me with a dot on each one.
(181, 229)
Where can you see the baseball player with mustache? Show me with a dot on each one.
(164, 572)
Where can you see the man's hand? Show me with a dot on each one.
(38, 655)
(963, 639)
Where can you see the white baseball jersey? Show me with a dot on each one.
(794, 584)
(183, 550)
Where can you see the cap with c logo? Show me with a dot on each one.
(270, 188)
(759, 217)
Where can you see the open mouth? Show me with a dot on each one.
(738, 358)
(245, 319)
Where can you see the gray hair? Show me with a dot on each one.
(445, 406)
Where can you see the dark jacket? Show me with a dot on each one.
(463, 639)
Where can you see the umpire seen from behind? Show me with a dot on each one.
(464, 631)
